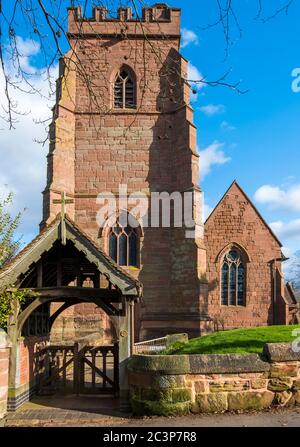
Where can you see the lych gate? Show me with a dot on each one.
(78, 369)
(63, 266)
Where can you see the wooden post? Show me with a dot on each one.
(124, 355)
(13, 333)
(116, 369)
(131, 306)
(76, 372)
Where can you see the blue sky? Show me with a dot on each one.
(259, 131)
(252, 137)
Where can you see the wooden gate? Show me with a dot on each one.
(79, 370)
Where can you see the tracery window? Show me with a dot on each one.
(124, 90)
(123, 245)
(233, 279)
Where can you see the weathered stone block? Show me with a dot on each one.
(280, 384)
(164, 381)
(155, 395)
(158, 408)
(296, 385)
(211, 403)
(201, 386)
(281, 352)
(181, 395)
(162, 364)
(297, 398)
(250, 400)
(227, 364)
(288, 369)
(229, 385)
(259, 384)
(282, 399)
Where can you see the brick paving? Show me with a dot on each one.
(89, 411)
(67, 409)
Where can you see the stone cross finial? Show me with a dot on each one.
(63, 202)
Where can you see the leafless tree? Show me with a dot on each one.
(45, 22)
(228, 17)
(293, 274)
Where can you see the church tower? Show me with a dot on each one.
(123, 117)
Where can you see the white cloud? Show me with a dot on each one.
(276, 198)
(212, 155)
(226, 126)
(213, 109)
(26, 49)
(287, 230)
(188, 37)
(23, 161)
(195, 78)
(207, 210)
(287, 251)
(194, 75)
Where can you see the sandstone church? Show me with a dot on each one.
(128, 120)
(123, 117)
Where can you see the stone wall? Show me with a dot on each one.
(174, 385)
(82, 320)
(23, 370)
(4, 363)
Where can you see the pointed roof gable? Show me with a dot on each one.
(44, 241)
(236, 184)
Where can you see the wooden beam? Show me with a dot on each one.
(63, 307)
(39, 274)
(86, 293)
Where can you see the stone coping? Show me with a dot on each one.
(282, 352)
(214, 363)
(198, 364)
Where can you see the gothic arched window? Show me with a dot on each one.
(123, 245)
(233, 279)
(124, 90)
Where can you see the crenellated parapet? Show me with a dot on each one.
(158, 20)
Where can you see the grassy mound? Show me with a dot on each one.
(239, 341)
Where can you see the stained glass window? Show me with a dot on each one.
(233, 279)
(123, 245)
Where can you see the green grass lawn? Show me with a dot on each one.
(242, 341)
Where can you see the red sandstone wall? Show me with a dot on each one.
(235, 220)
(27, 366)
(82, 320)
(150, 149)
(4, 364)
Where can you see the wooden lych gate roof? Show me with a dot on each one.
(32, 253)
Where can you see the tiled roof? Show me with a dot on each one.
(25, 252)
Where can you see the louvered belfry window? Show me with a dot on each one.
(124, 90)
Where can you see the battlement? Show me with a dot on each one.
(158, 20)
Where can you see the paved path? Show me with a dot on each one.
(71, 411)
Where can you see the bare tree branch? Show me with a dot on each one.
(45, 22)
